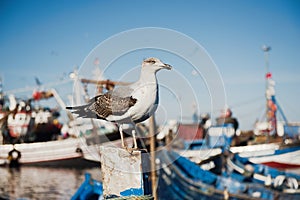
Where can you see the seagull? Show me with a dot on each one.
(130, 104)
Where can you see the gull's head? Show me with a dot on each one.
(155, 64)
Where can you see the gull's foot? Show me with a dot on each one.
(131, 150)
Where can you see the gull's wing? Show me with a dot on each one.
(110, 104)
(104, 105)
(115, 102)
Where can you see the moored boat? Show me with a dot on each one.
(282, 158)
(179, 178)
(244, 170)
(57, 153)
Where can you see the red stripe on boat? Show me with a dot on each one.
(281, 165)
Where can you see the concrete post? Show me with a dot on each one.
(124, 173)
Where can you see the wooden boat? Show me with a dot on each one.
(282, 155)
(277, 155)
(243, 170)
(34, 137)
(283, 158)
(59, 153)
(179, 178)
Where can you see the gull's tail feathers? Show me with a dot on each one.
(82, 111)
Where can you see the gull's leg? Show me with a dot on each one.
(122, 137)
(134, 139)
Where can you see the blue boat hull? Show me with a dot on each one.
(180, 178)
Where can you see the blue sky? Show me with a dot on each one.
(49, 38)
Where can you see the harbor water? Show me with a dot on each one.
(42, 183)
(34, 183)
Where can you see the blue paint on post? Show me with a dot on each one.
(132, 191)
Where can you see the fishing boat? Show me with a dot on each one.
(244, 170)
(33, 136)
(278, 155)
(58, 153)
(283, 158)
(282, 155)
(179, 178)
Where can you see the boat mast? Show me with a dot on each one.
(271, 106)
(1, 93)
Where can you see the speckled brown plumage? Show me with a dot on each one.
(107, 104)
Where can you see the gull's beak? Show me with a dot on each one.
(167, 66)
